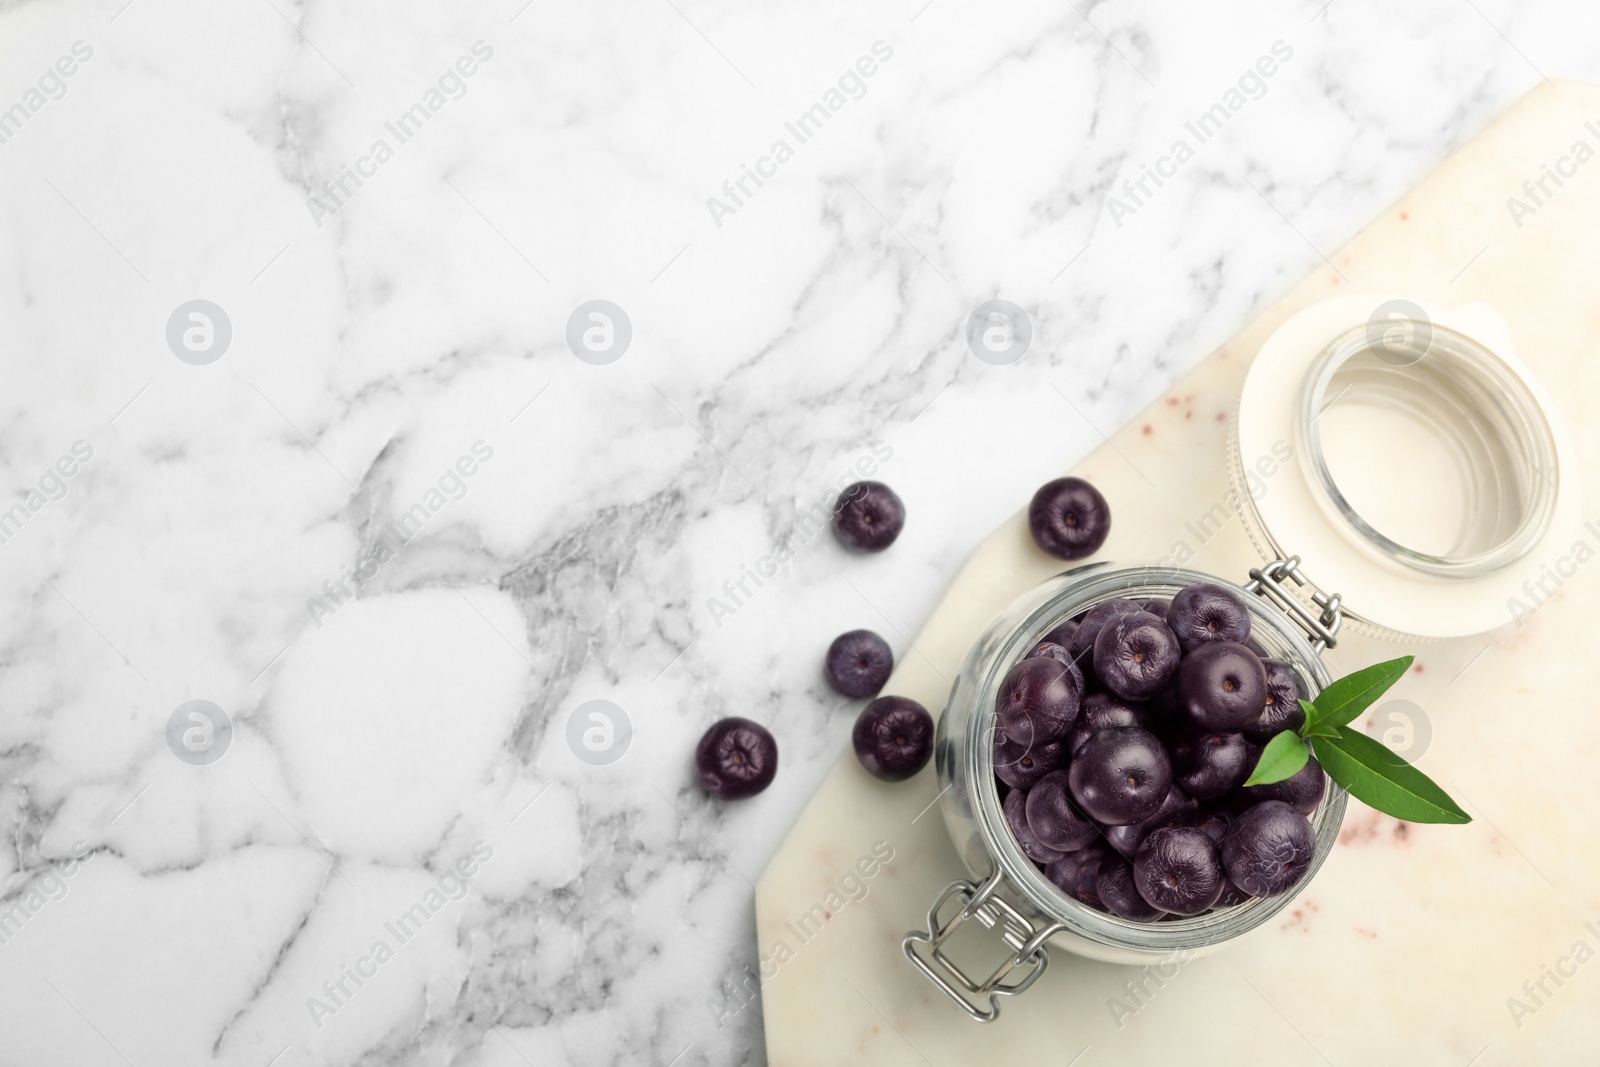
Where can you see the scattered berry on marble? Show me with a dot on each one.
(858, 663)
(736, 758)
(869, 516)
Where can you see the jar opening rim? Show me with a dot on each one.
(1506, 446)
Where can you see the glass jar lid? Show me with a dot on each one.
(1433, 475)
(1467, 438)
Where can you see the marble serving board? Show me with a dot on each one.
(1416, 944)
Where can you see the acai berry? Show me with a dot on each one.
(735, 759)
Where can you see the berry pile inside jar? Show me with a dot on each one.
(1121, 745)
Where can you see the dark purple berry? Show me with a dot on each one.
(1156, 606)
(1102, 711)
(1163, 709)
(1054, 819)
(1118, 893)
(1209, 764)
(1081, 643)
(1135, 655)
(1179, 869)
(868, 516)
(858, 663)
(1216, 824)
(1015, 809)
(1268, 849)
(735, 759)
(1019, 764)
(1283, 710)
(1232, 895)
(1222, 686)
(1051, 650)
(1038, 700)
(1062, 634)
(1069, 518)
(1203, 612)
(1125, 839)
(1177, 809)
(1302, 790)
(1077, 874)
(1120, 776)
(893, 738)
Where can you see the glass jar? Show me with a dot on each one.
(1012, 893)
(1327, 379)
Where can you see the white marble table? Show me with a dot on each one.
(397, 768)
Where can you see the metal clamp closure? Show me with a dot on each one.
(1268, 582)
(981, 902)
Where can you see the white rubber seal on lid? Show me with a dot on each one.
(1432, 476)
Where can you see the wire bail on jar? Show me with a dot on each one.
(981, 903)
(1323, 629)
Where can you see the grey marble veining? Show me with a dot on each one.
(396, 699)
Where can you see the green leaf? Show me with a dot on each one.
(1348, 697)
(1311, 727)
(1284, 755)
(1383, 780)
